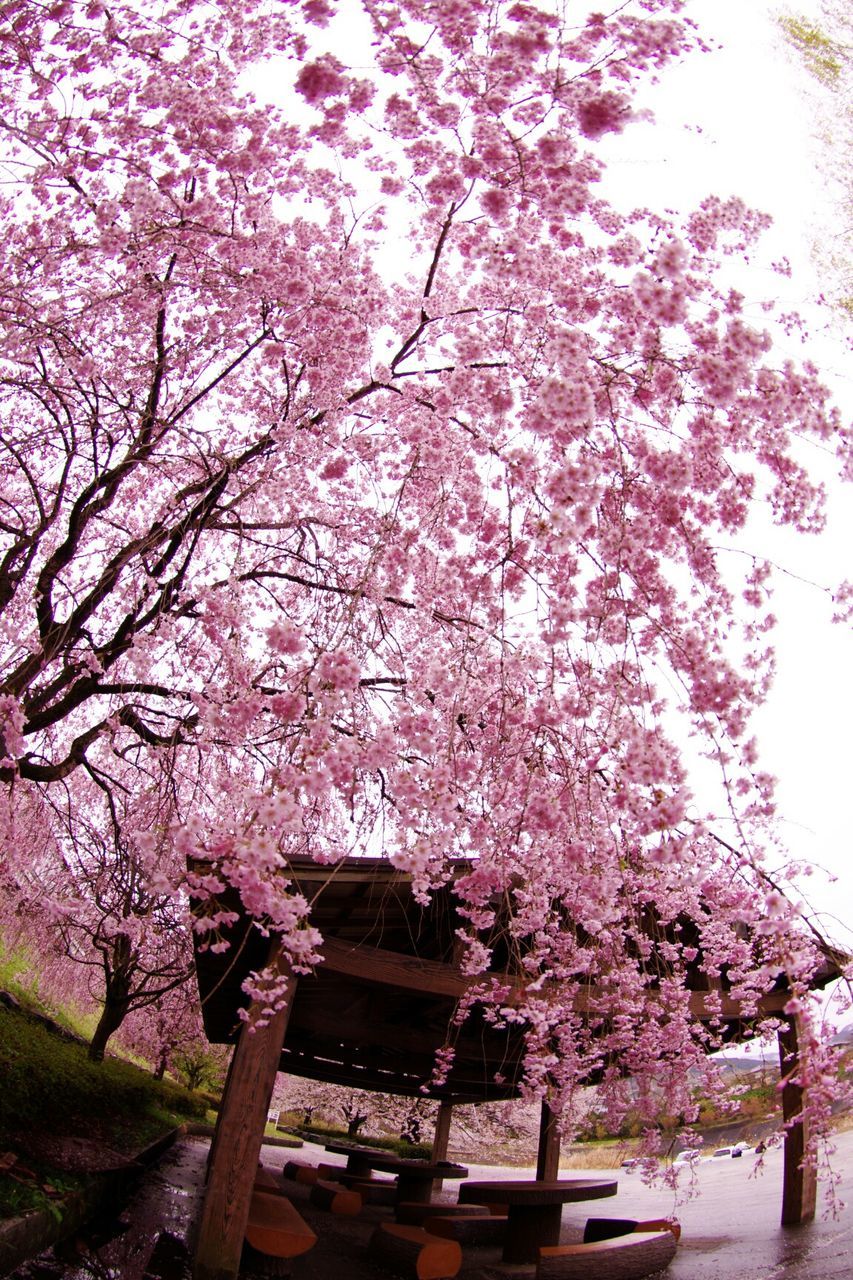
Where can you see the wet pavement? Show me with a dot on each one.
(146, 1240)
(729, 1232)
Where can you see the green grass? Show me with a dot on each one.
(19, 975)
(52, 1091)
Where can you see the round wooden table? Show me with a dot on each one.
(415, 1177)
(358, 1158)
(534, 1209)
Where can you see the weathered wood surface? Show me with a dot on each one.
(534, 1208)
(239, 1135)
(276, 1228)
(434, 977)
(441, 1137)
(266, 1180)
(414, 1213)
(479, 1229)
(308, 1174)
(628, 1257)
(412, 1252)
(335, 1197)
(610, 1228)
(262, 1266)
(372, 1191)
(799, 1182)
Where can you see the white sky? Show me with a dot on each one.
(740, 121)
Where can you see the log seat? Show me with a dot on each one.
(414, 1214)
(336, 1197)
(307, 1174)
(266, 1180)
(414, 1253)
(348, 1178)
(472, 1229)
(276, 1228)
(626, 1257)
(374, 1191)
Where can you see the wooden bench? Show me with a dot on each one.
(414, 1253)
(307, 1174)
(266, 1180)
(609, 1228)
(626, 1257)
(473, 1229)
(276, 1228)
(347, 1177)
(414, 1214)
(374, 1190)
(336, 1197)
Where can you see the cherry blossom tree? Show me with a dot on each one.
(168, 1033)
(359, 454)
(100, 895)
(380, 1114)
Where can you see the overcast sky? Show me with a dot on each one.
(742, 120)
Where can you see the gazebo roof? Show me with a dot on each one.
(373, 1015)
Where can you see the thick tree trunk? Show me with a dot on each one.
(112, 1016)
(119, 970)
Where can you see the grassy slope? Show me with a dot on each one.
(52, 1096)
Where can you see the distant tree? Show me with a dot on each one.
(200, 1065)
(101, 890)
(418, 1121)
(410, 1119)
(168, 1031)
(306, 1099)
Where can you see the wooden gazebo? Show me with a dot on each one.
(373, 1015)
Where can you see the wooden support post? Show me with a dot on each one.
(441, 1137)
(223, 1103)
(240, 1132)
(548, 1155)
(799, 1186)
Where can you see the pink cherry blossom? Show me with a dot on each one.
(363, 474)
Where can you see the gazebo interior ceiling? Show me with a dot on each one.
(373, 1015)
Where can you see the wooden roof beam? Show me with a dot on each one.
(432, 977)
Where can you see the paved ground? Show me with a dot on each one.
(730, 1231)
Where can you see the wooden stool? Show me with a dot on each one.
(374, 1191)
(266, 1180)
(471, 1229)
(276, 1228)
(307, 1174)
(414, 1214)
(336, 1197)
(412, 1252)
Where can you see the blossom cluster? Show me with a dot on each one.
(362, 476)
